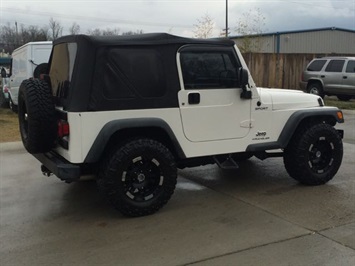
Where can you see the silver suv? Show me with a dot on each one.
(330, 76)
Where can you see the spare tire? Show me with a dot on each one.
(36, 113)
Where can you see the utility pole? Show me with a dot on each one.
(226, 18)
(17, 42)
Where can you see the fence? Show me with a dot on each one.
(277, 70)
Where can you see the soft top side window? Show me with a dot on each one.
(61, 68)
(335, 66)
(209, 67)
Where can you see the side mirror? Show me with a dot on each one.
(243, 77)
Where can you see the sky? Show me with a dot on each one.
(178, 16)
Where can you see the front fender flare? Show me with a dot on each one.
(290, 127)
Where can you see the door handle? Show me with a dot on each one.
(322, 76)
(345, 77)
(194, 98)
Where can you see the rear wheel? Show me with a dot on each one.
(139, 177)
(314, 154)
(344, 98)
(36, 115)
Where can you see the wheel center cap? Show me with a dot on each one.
(141, 177)
(318, 154)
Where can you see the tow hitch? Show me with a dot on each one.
(45, 171)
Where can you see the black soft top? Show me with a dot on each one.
(140, 39)
(108, 73)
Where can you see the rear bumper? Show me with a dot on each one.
(57, 165)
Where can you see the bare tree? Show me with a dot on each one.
(8, 37)
(12, 37)
(111, 32)
(74, 29)
(55, 29)
(204, 27)
(94, 32)
(106, 32)
(32, 34)
(137, 32)
(250, 26)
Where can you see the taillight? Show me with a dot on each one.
(6, 89)
(63, 128)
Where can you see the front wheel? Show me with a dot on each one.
(315, 88)
(139, 177)
(314, 154)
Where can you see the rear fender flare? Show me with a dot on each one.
(115, 126)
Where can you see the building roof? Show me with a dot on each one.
(293, 31)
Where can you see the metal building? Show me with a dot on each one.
(313, 41)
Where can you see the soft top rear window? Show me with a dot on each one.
(61, 68)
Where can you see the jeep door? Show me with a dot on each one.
(210, 104)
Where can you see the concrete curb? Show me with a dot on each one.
(11, 146)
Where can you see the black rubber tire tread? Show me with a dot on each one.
(39, 129)
(296, 154)
(113, 166)
(40, 69)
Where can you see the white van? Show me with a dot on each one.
(28, 61)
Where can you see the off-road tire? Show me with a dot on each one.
(138, 177)
(315, 88)
(36, 113)
(314, 154)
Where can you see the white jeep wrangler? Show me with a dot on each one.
(132, 109)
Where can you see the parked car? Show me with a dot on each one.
(330, 76)
(28, 61)
(133, 109)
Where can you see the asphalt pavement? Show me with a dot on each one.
(256, 215)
